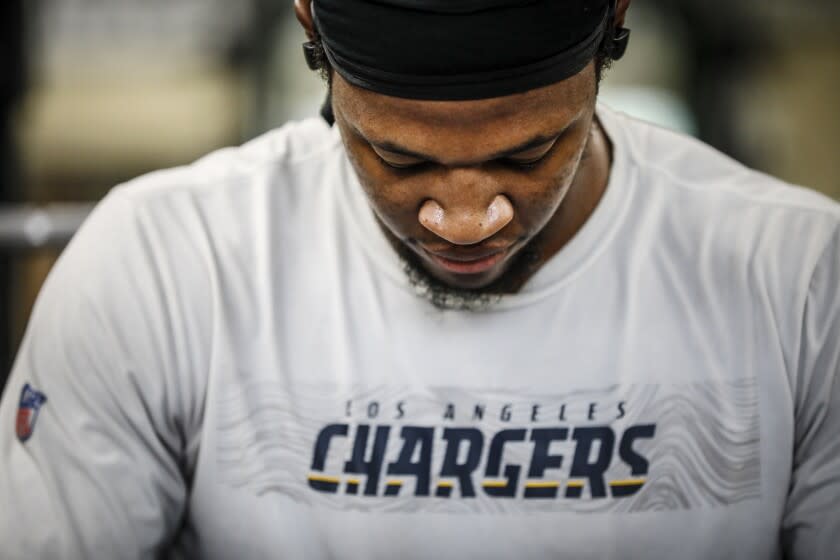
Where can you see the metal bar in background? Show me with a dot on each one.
(29, 227)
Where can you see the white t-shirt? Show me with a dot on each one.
(235, 365)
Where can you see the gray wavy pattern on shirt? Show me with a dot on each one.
(705, 452)
(264, 444)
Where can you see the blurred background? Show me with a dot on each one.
(93, 93)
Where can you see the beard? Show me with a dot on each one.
(449, 298)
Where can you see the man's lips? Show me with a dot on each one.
(468, 260)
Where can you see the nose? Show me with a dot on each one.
(466, 226)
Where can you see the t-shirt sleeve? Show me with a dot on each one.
(811, 525)
(101, 467)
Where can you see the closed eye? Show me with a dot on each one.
(525, 159)
(530, 159)
(397, 160)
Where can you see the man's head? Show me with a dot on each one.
(469, 186)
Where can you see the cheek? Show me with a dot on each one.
(535, 206)
(398, 213)
(395, 201)
(538, 199)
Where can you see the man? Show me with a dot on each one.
(481, 316)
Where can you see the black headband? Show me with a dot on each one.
(462, 49)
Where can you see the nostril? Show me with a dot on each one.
(499, 213)
(431, 215)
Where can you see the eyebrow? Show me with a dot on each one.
(524, 146)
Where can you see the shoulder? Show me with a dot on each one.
(220, 199)
(144, 275)
(720, 226)
(691, 168)
(282, 155)
(169, 227)
(702, 194)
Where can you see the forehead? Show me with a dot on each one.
(486, 124)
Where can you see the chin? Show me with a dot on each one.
(505, 278)
(481, 282)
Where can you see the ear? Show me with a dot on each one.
(303, 12)
(621, 8)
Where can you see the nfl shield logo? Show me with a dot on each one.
(30, 403)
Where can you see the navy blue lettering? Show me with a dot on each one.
(494, 464)
(638, 464)
(594, 471)
(505, 415)
(322, 444)
(372, 468)
(319, 457)
(449, 413)
(541, 459)
(478, 412)
(462, 471)
(413, 438)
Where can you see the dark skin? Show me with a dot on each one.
(466, 186)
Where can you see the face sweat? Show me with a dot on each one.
(463, 49)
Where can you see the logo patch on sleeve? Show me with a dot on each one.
(31, 401)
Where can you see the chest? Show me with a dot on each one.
(362, 435)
